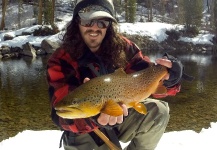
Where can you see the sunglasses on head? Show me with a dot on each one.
(101, 23)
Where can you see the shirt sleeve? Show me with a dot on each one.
(62, 76)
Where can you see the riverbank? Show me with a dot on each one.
(42, 40)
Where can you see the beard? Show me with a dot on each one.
(95, 42)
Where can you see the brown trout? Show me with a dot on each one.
(105, 93)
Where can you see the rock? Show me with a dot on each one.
(8, 37)
(49, 46)
(16, 49)
(5, 50)
(11, 55)
(28, 50)
(40, 52)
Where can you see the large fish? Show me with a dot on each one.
(104, 93)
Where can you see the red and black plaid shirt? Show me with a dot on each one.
(63, 76)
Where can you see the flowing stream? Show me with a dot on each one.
(24, 103)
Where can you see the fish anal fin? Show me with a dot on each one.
(112, 108)
(141, 108)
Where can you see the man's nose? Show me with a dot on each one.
(95, 26)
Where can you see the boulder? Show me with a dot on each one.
(40, 52)
(28, 50)
(5, 50)
(8, 37)
(11, 55)
(49, 46)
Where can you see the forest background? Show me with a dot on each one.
(194, 14)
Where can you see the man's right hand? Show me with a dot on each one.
(105, 119)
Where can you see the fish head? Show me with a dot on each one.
(74, 108)
(68, 108)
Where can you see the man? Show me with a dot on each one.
(91, 47)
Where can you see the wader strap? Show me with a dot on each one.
(61, 139)
(113, 137)
(93, 69)
(65, 136)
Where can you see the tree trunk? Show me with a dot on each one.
(126, 11)
(53, 12)
(20, 9)
(150, 14)
(4, 6)
(40, 11)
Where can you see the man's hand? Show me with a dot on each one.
(105, 119)
(161, 61)
(164, 62)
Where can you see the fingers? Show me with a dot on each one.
(125, 110)
(105, 119)
(164, 62)
(166, 77)
(86, 79)
(146, 58)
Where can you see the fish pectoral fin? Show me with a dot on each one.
(112, 108)
(141, 108)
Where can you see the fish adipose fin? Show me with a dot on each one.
(112, 108)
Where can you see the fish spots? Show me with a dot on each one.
(105, 92)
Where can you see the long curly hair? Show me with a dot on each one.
(111, 50)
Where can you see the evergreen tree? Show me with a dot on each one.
(132, 11)
(126, 10)
(190, 12)
(47, 11)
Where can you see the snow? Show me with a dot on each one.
(176, 140)
(154, 30)
(49, 139)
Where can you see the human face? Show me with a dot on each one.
(93, 32)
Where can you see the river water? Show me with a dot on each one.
(24, 103)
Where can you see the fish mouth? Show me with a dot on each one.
(66, 109)
(68, 112)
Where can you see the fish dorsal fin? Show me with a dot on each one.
(161, 89)
(120, 71)
(112, 108)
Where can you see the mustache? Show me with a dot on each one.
(92, 31)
